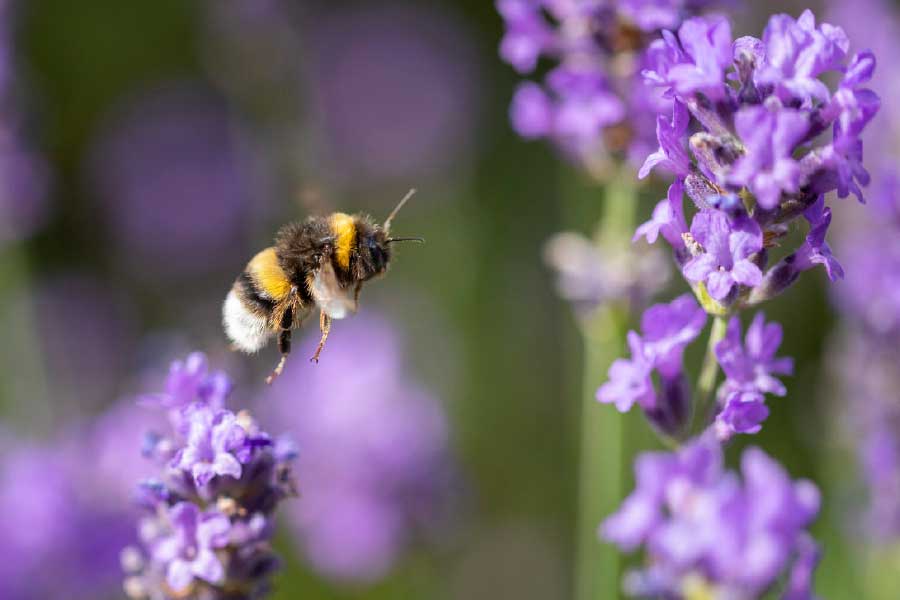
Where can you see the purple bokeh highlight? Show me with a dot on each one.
(373, 450)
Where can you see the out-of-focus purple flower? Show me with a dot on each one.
(750, 368)
(190, 380)
(707, 531)
(871, 251)
(24, 202)
(576, 108)
(592, 274)
(373, 452)
(727, 249)
(767, 168)
(527, 36)
(175, 181)
(395, 90)
(60, 514)
(592, 104)
(24, 177)
(208, 516)
(86, 331)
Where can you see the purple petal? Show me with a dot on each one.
(179, 574)
(206, 566)
(746, 273)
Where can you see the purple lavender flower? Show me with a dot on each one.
(797, 53)
(667, 219)
(667, 329)
(815, 250)
(592, 104)
(767, 168)
(758, 111)
(374, 452)
(212, 438)
(707, 532)
(702, 53)
(750, 368)
(189, 548)
(629, 380)
(207, 525)
(24, 176)
(725, 257)
(672, 153)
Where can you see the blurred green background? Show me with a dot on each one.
(475, 305)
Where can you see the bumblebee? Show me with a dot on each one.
(322, 263)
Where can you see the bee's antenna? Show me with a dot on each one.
(387, 222)
(405, 239)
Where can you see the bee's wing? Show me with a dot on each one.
(334, 300)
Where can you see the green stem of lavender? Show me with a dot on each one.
(706, 382)
(602, 456)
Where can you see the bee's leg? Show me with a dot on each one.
(325, 326)
(284, 344)
(356, 296)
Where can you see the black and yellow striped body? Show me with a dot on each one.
(322, 261)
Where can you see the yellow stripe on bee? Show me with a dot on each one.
(343, 227)
(267, 273)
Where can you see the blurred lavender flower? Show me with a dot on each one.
(23, 174)
(65, 510)
(176, 183)
(208, 515)
(865, 356)
(395, 88)
(592, 103)
(593, 274)
(373, 452)
(709, 533)
(864, 350)
(86, 330)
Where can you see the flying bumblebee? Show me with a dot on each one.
(321, 262)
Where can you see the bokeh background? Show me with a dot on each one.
(148, 149)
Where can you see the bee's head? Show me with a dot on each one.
(373, 252)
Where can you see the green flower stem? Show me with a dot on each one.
(706, 383)
(602, 453)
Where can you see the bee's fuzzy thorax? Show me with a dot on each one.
(344, 229)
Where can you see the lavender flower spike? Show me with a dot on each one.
(207, 526)
(707, 533)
